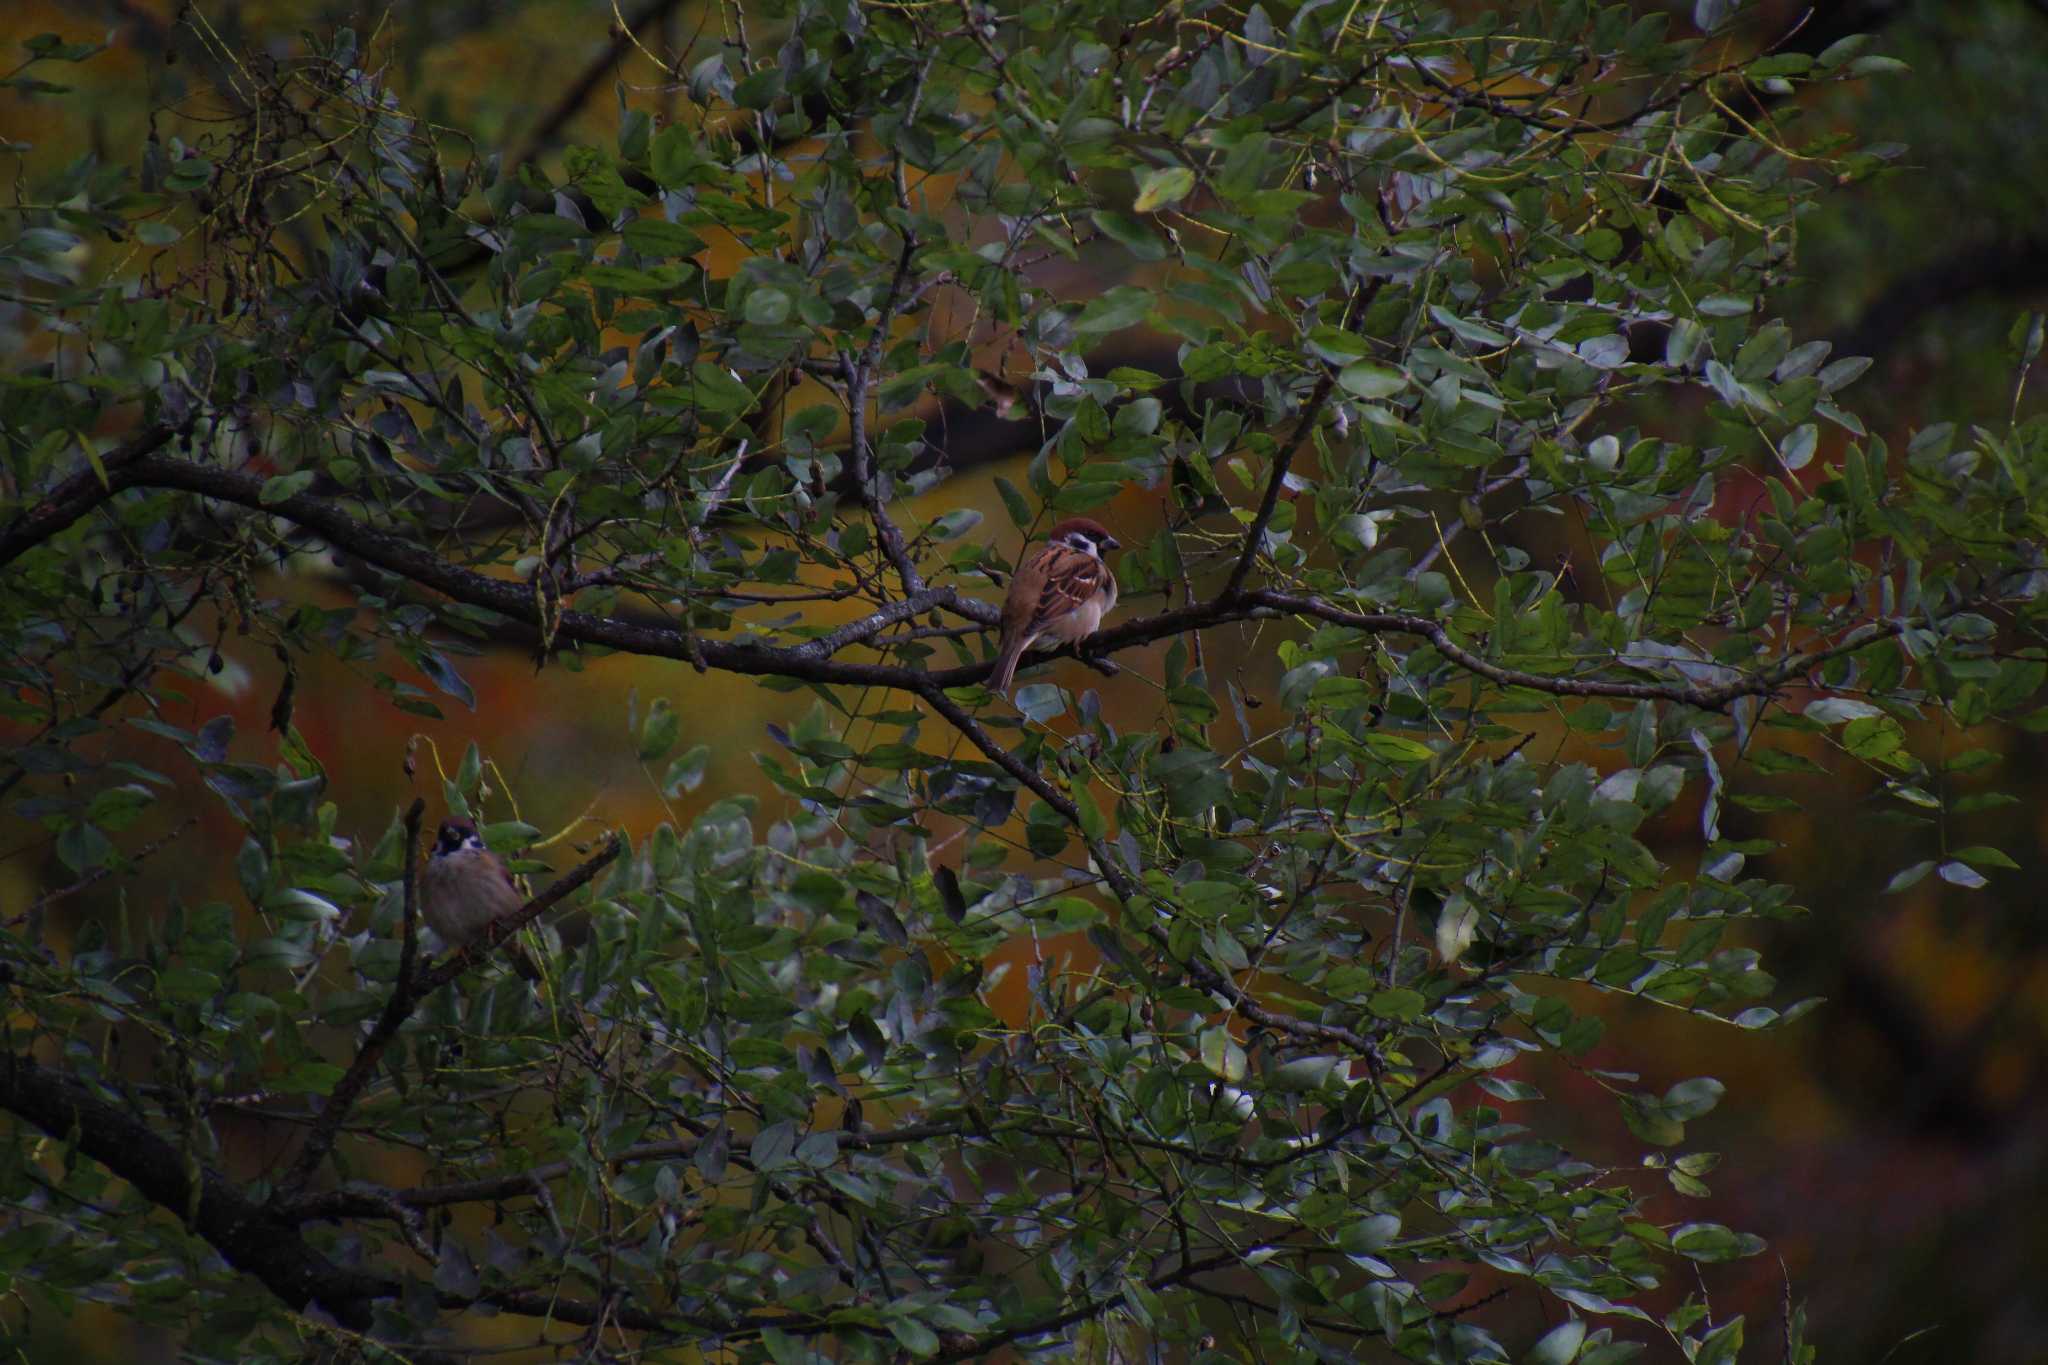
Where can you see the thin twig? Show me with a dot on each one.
(100, 873)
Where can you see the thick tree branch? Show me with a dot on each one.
(266, 1243)
(548, 129)
(252, 1238)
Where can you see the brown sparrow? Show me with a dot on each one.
(464, 887)
(1060, 593)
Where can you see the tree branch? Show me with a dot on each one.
(2015, 268)
(408, 991)
(1355, 309)
(813, 660)
(340, 1100)
(265, 1242)
(505, 926)
(549, 128)
(251, 1237)
(1255, 534)
(858, 376)
(72, 498)
(975, 1347)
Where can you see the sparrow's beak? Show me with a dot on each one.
(1112, 543)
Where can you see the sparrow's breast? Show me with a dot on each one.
(1083, 620)
(460, 893)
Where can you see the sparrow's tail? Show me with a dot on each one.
(1006, 665)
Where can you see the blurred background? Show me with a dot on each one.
(1892, 1146)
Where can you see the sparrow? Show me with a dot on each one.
(465, 886)
(1060, 593)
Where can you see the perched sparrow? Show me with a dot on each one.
(1061, 592)
(465, 886)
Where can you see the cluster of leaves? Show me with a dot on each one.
(1416, 274)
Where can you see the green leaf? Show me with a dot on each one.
(1690, 1099)
(191, 984)
(282, 486)
(1014, 503)
(1981, 855)
(1713, 1242)
(1040, 701)
(1963, 875)
(1131, 234)
(1367, 1235)
(1907, 877)
(1221, 1053)
(1193, 780)
(1158, 188)
(1124, 306)
(917, 1338)
(655, 238)
(659, 731)
(82, 847)
(1647, 1120)
(1397, 748)
(687, 772)
(1367, 380)
(1560, 1345)
(1398, 1003)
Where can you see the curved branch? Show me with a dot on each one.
(858, 376)
(340, 1100)
(72, 498)
(1710, 698)
(548, 129)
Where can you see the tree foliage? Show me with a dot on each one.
(1370, 856)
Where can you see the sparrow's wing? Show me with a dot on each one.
(1071, 578)
(1053, 582)
(512, 900)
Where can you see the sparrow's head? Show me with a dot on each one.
(455, 836)
(1084, 535)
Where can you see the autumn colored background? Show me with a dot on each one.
(1892, 1146)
